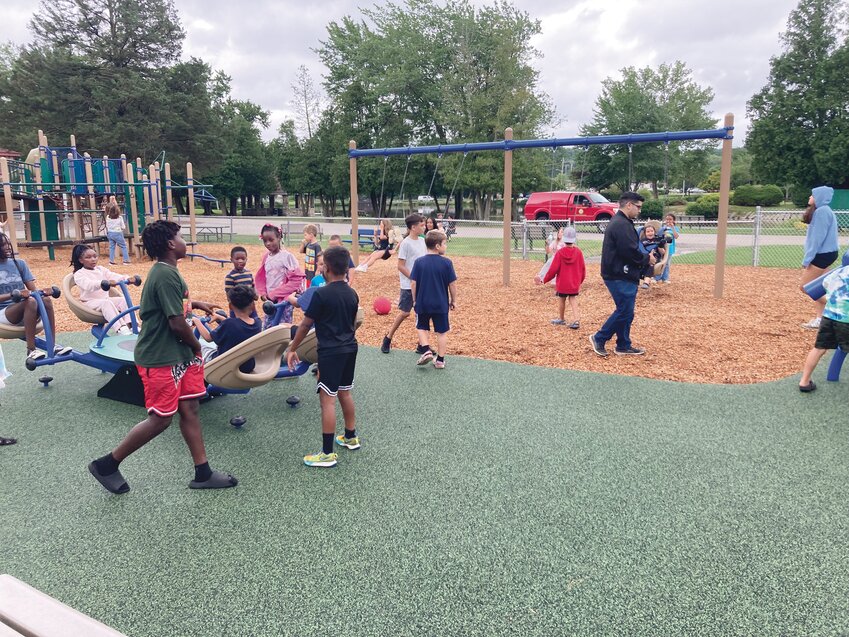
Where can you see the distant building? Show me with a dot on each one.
(10, 154)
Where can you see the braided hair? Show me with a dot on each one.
(156, 236)
(77, 254)
(7, 252)
(272, 228)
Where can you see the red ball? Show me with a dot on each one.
(382, 305)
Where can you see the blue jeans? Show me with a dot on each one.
(117, 239)
(624, 295)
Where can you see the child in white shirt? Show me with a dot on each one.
(87, 276)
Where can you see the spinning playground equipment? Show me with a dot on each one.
(509, 144)
(57, 184)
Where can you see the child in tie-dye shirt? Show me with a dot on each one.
(834, 328)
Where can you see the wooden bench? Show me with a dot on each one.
(31, 613)
(535, 233)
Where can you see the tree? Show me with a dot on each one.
(306, 100)
(142, 34)
(423, 73)
(800, 120)
(649, 101)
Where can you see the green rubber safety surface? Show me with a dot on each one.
(487, 499)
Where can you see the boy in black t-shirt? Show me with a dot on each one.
(434, 291)
(333, 310)
(242, 324)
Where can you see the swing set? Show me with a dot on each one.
(508, 145)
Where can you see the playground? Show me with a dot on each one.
(530, 488)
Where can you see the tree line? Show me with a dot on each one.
(410, 74)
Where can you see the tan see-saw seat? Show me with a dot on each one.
(266, 348)
(80, 310)
(27, 611)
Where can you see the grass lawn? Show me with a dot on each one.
(770, 256)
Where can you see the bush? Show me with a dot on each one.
(706, 206)
(612, 194)
(652, 209)
(769, 195)
(676, 200)
(799, 195)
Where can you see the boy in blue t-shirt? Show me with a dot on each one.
(239, 327)
(434, 290)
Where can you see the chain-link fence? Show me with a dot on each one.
(766, 238)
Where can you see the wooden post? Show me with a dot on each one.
(190, 182)
(5, 175)
(508, 215)
(355, 225)
(169, 196)
(722, 225)
(92, 199)
(73, 142)
(79, 228)
(57, 174)
(134, 217)
(39, 196)
(151, 180)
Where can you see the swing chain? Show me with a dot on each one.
(404, 179)
(380, 205)
(456, 179)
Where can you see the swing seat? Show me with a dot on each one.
(80, 309)
(660, 266)
(266, 348)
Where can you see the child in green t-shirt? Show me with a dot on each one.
(167, 357)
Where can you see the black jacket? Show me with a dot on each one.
(621, 257)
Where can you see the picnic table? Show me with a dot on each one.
(208, 232)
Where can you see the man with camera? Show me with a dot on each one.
(622, 263)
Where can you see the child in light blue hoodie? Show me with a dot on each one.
(834, 329)
(820, 244)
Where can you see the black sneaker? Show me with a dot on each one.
(386, 345)
(631, 351)
(806, 389)
(598, 349)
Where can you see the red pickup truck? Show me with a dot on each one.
(568, 206)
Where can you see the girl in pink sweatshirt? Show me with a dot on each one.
(279, 273)
(87, 276)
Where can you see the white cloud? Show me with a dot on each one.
(727, 44)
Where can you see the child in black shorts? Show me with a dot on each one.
(434, 292)
(834, 327)
(333, 311)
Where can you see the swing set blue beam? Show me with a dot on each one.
(726, 132)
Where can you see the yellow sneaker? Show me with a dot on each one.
(320, 460)
(348, 443)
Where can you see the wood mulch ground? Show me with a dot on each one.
(751, 335)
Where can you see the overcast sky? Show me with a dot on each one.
(726, 43)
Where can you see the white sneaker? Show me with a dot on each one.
(36, 355)
(124, 330)
(361, 268)
(813, 324)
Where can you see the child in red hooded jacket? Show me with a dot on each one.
(569, 268)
